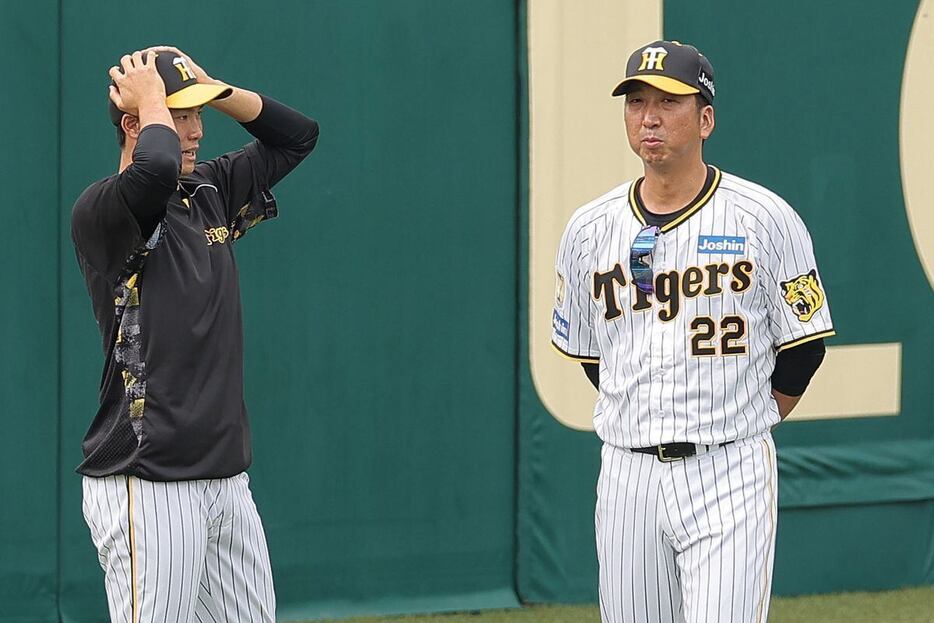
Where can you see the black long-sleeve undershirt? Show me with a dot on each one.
(148, 182)
(794, 368)
(592, 370)
(281, 126)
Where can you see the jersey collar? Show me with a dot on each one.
(706, 192)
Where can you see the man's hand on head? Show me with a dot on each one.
(139, 91)
(138, 84)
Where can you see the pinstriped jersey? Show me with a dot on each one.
(735, 282)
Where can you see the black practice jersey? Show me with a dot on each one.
(157, 255)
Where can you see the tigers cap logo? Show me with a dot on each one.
(182, 66)
(653, 59)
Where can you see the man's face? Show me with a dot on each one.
(664, 128)
(189, 129)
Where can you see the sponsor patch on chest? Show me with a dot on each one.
(731, 245)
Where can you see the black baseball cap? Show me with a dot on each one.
(672, 67)
(182, 89)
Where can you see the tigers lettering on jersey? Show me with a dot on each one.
(216, 234)
(671, 287)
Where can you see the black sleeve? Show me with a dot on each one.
(284, 137)
(152, 177)
(117, 215)
(288, 135)
(592, 370)
(795, 366)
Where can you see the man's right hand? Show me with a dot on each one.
(139, 88)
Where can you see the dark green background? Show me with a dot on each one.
(379, 308)
(403, 461)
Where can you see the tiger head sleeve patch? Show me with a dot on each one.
(804, 295)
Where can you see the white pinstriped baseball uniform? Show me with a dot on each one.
(735, 282)
(191, 550)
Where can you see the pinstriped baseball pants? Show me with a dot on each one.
(687, 541)
(180, 551)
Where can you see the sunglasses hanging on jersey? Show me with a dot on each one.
(640, 264)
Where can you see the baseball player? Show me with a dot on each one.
(693, 300)
(165, 493)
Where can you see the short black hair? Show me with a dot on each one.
(121, 136)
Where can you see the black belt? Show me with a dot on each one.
(668, 452)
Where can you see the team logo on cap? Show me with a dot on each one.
(652, 59)
(182, 66)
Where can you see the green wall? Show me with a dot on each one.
(402, 459)
(379, 373)
(29, 320)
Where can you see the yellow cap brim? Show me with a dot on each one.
(196, 95)
(666, 84)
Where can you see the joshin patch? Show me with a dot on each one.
(730, 245)
(804, 295)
